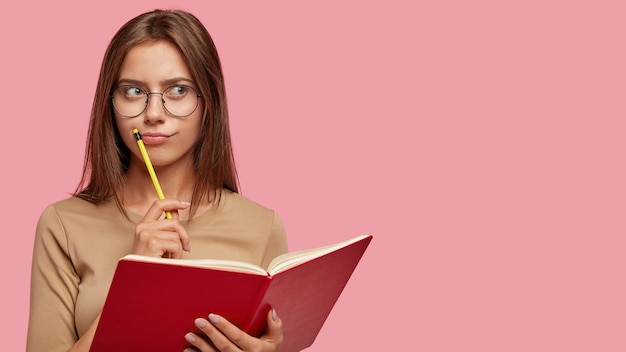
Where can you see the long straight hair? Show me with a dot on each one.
(107, 158)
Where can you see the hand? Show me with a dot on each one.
(157, 236)
(221, 335)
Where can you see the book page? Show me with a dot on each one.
(291, 259)
(221, 264)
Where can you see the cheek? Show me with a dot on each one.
(194, 126)
(125, 129)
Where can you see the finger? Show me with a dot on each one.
(145, 228)
(176, 227)
(171, 248)
(225, 336)
(154, 242)
(198, 342)
(274, 333)
(159, 207)
(183, 236)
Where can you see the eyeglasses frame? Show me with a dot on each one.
(148, 94)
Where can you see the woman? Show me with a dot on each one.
(161, 75)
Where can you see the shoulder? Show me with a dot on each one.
(72, 204)
(252, 219)
(68, 205)
(56, 220)
(236, 202)
(76, 224)
(77, 209)
(241, 209)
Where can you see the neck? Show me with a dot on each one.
(176, 180)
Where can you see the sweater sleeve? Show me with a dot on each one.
(277, 243)
(54, 288)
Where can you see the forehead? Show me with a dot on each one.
(152, 63)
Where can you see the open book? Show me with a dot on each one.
(153, 302)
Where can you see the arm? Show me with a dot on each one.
(57, 316)
(54, 288)
(84, 343)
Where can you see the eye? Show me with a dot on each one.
(133, 92)
(177, 91)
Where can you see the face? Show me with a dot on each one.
(153, 68)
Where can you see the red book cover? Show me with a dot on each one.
(153, 302)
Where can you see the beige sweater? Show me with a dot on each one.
(78, 244)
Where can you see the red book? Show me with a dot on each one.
(153, 302)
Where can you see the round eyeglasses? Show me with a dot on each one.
(131, 101)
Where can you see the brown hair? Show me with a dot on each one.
(106, 156)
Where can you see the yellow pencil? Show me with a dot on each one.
(146, 159)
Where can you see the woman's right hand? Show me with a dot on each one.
(157, 236)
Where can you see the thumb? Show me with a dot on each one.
(274, 328)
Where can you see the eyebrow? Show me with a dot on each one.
(166, 82)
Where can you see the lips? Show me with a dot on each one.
(154, 138)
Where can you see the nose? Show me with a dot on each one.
(155, 110)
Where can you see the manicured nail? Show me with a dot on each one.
(185, 203)
(200, 323)
(190, 338)
(214, 318)
(274, 315)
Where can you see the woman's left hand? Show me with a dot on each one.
(221, 335)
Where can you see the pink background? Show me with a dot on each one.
(480, 142)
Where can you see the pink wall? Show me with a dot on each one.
(481, 144)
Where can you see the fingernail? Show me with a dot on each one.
(190, 338)
(214, 318)
(274, 315)
(185, 203)
(201, 323)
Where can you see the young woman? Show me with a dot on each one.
(161, 75)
